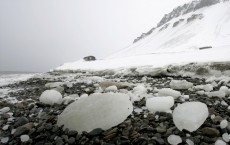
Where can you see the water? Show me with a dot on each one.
(9, 77)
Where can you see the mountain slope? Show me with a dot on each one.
(204, 27)
(177, 40)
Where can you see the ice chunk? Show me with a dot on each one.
(84, 96)
(180, 84)
(223, 124)
(225, 137)
(220, 142)
(206, 88)
(66, 100)
(223, 103)
(190, 115)
(50, 97)
(219, 94)
(24, 138)
(224, 89)
(54, 84)
(174, 139)
(161, 104)
(111, 89)
(74, 96)
(140, 89)
(96, 111)
(5, 109)
(169, 92)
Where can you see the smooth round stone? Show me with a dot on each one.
(4, 139)
(174, 139)
(24, 138)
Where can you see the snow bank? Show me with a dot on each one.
(96, 111)
(50, 97)
(161, 104)
(190, 115)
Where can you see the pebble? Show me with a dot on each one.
(174, 139)
(225, 137)
(5, 127)
(220, 142)
(95, 132)
(211, 132)
(21, 121)
(24, 138)
(4, 139)
(223, 124)
(71, 140)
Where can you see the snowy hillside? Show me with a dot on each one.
(177, 39)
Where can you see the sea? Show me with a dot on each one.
(9, 77)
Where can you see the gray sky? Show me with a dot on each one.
(38, 35)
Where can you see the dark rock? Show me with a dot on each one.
(125, 142)
(161, 129)
(160, 141)
(211, 132)
(20, 130)
(48, 126)
(89, 58)
(71, 140)
(95, 132)
(5, 116)
(72, 133)
(21, 121)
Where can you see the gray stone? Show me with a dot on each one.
(211, 132)
(21, 121)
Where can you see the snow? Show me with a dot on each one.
(24, 138)
(86, 114)
(50, 97)
(169, 92)
(174, 139)
(220, 142)
(190, 115)
(180, 84)
(161, 104)
(223, 124)
(179, 45)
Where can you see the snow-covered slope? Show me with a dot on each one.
(210, 27)
(177, 40)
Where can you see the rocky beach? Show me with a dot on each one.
(27, 120)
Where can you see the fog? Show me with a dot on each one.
(40, 35)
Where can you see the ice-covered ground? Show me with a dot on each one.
(218, 54)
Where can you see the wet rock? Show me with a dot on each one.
(21, 121)
(95, 132)
(211, 132)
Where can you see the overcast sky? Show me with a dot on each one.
(38, 35)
